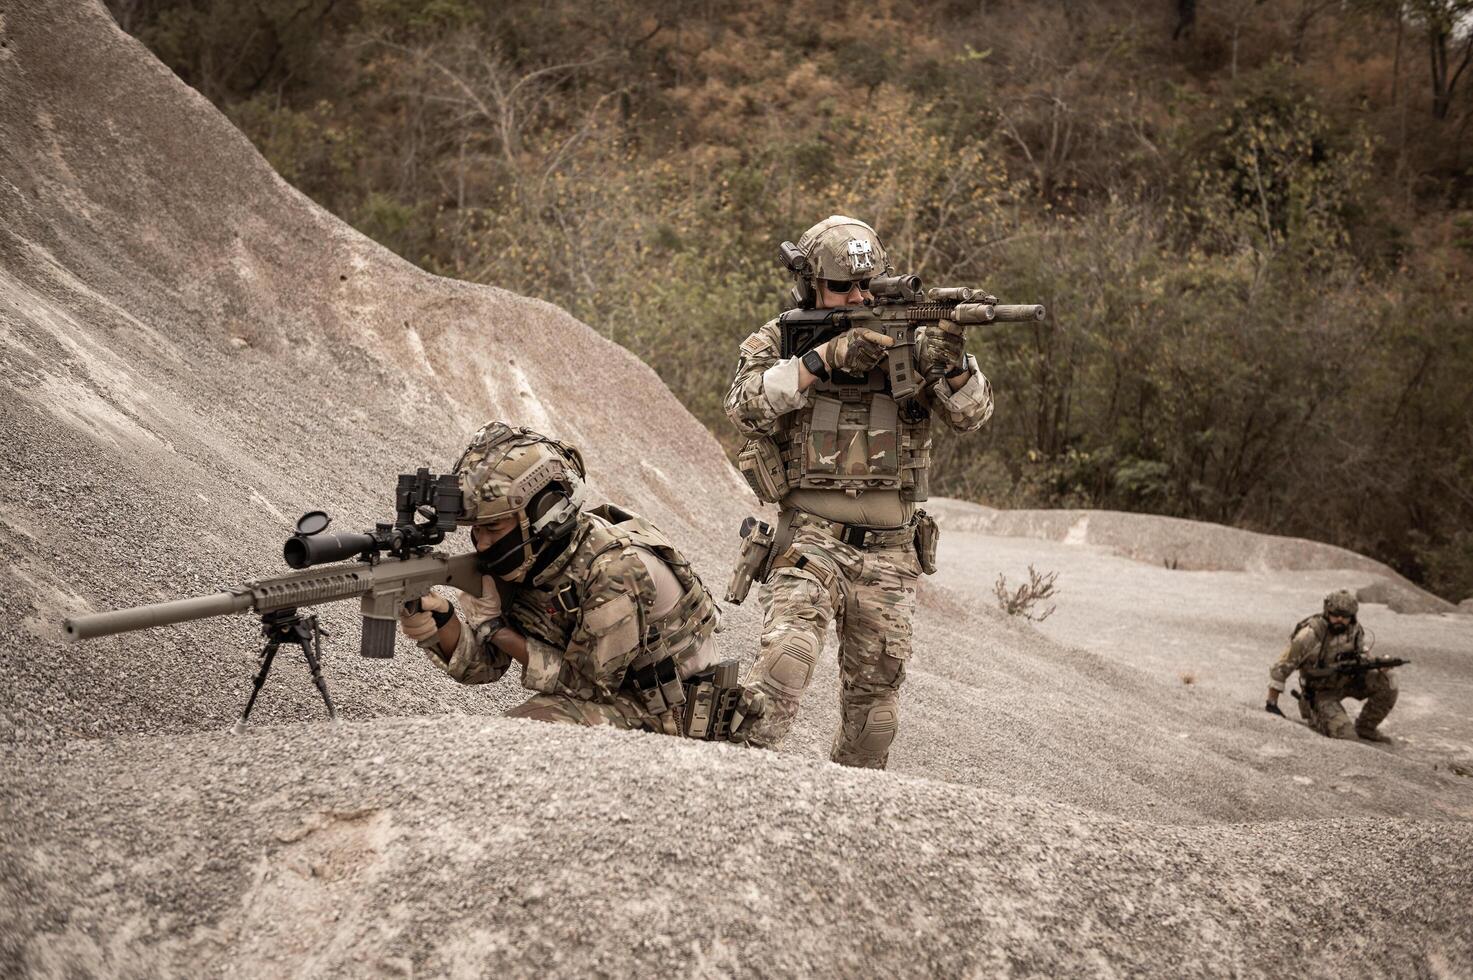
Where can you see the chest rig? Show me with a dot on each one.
(853, 436)
(1333, 648)
(549, 608)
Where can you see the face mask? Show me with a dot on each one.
(505, 555)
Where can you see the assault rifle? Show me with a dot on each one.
(395, 564)
(1351, 668)
(899, 307)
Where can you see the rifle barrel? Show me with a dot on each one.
(158, 614)
(1015, 313)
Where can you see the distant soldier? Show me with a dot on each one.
(846, 465)
(1328, 650)
(610, 623)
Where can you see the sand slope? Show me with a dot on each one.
(195, 353)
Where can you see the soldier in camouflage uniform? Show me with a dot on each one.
(610, 623)
(1320, 642)
(852, 465)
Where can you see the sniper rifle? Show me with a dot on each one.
(393, 565)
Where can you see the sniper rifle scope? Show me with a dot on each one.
(438, 499)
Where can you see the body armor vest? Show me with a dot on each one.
(548, 608)
(852, 436)
(1333, 648)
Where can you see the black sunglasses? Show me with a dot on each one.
(844, 285)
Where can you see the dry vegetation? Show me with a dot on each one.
(1025, 599)
(1250, 219)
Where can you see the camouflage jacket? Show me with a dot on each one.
(586, 617)
(1313, 647)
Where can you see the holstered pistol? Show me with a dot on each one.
(757, 540)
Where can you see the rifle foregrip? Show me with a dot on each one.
(328, 585)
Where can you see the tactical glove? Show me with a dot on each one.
(942, 352)
(858, 350)
(421, 625)
(1272, 708)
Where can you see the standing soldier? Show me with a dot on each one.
(610, 623)
(1328, 650)
(846, 464)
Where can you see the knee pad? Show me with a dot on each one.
(881, 723)
(789, 665)
(1340, 726)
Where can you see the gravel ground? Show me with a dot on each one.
(194, 354)
(421, 847)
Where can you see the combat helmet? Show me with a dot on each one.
(839, 248)
(510, 471)
(1342, 602)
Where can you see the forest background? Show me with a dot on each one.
(1251, 220)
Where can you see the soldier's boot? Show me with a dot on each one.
(1381, 688)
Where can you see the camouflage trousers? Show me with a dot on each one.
(1377, 688)
(561, 709)
(870, 596)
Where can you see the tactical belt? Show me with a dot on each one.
(857, 535)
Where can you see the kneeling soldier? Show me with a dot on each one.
(610, 623)
(1328, 650)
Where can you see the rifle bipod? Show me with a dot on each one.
(288, 626)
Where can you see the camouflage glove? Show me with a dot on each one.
(1272, 708)
(420, 626)
(858, 350)
(941, 352)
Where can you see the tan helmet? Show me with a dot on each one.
(840, 247)
(1342, 602)
(509, 471)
